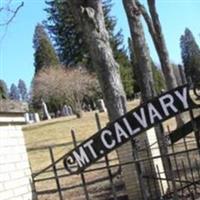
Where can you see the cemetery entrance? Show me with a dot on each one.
(173, 174)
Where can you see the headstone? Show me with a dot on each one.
(129, 126)
(36, 117)
(70, 110)
(58, 113)
(26, 115)
(138, 95)
(45, 110)
(101, 106)
(89, 108)
(65, 111)
(31, 117)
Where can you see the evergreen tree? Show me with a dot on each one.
(126, 73)
(14, 93)
(39, 35)
(69, 41)
(191, 56)
(22, 90)
(134, 66)
(120, 53)
(159, 81)
(3, 90)
(177, 73)
(45, 55)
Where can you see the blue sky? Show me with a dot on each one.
(16, 52)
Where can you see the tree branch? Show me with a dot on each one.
(14, 14)
(154, 16)
(147, 18)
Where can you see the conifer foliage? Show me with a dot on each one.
(191, 56)
(3, 90)
(14, 93)
(22, 90)
(45, 55)
(69, 41)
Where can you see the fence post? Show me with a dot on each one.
(196, 131)
(82, 175)
(34, 192)
(144, 190)
(55, 173)
(107, 161)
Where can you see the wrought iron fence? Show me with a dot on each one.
(173, 175)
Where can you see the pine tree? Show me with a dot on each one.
(97, 38)
(3, 90)
(45, 55)
(69, 41)
(22, 90)
(14, 93)
(119, 51)
(191, 56)
(126, 75)
(159, 81)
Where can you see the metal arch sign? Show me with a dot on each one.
(128, 126)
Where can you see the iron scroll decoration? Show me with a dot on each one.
(128, 126)
(196, 90)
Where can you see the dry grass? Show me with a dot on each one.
(57, 131)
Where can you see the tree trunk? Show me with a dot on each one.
(90, 17)
(163, 54)
(155, 30)
(161, 47)
(141, 52)
(90, 20)
(143, 68)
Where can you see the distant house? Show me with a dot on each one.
(12, 112)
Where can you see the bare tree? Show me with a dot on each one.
(90, 19)
(58, 86)
(79, 83)
(89, 16)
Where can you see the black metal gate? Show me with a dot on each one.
(175, 174)
(103, 180)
